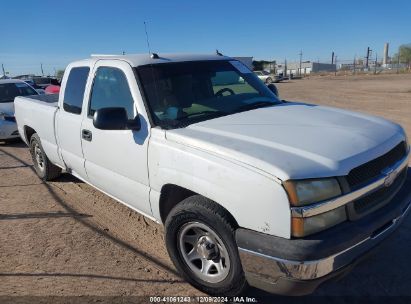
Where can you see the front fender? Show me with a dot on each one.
(256, 201)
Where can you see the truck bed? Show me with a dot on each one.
(38, 113)
(50, 99)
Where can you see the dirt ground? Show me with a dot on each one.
(63, 241)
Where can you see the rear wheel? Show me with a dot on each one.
(200, 241)
(44, 168)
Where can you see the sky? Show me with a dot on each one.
(55, 33)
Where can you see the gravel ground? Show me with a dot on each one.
(64, 242)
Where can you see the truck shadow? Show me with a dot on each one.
(85, 275)
(84, 221)
(39, 215)
(17, 143)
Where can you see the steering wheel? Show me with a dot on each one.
(220, 92)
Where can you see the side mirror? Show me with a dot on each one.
(114, 119)
(273, 89)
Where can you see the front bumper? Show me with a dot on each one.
(8, 130)
(299, 266)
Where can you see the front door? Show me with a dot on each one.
(116, 160)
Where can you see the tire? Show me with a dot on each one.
(44, 168)
(185, 241)
(269, 80)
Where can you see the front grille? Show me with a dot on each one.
(377, 197)
(364, 173)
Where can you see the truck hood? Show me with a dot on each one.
(7, 108)
(294, 140)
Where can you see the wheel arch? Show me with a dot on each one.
(28, 133)
(172, 194)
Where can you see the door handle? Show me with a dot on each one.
(86, 135)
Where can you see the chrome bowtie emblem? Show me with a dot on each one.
(390, 176)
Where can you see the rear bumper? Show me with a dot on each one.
(299, 266)
(8, 130)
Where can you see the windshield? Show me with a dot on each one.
(8, 91)
(179, 94)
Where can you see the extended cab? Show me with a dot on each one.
(252, 190)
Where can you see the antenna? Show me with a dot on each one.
(148, 42)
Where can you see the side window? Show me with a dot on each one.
(74, 92)
(110, 89)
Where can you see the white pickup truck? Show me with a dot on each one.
(252, 190)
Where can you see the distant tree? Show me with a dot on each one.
(404, 54)
(59, 74)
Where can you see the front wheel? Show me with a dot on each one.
(268, 80)
(200, 241)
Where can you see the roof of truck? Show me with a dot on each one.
(143, 59)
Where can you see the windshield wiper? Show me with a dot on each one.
(255, 105)
(212, 114)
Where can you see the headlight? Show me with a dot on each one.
(304, 192)
(303, 226)
(407, 141)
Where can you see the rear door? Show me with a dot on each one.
(116, 160)
(69, 118)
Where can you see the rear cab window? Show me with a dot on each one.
(74, 91)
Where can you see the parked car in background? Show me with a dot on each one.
(266, 76)
(251, 189)
(34, 86)
(43, 82)
(9, 89)
(52, 89)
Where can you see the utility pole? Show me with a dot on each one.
(375, 64)
(398, 63)
(335, 73)
(332, 57)
(285, 68)
(4, 72)
(354, 65)
(42, 72)
(301, 58)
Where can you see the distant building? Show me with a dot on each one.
(307, 67)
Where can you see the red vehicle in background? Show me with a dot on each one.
(52, 89)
